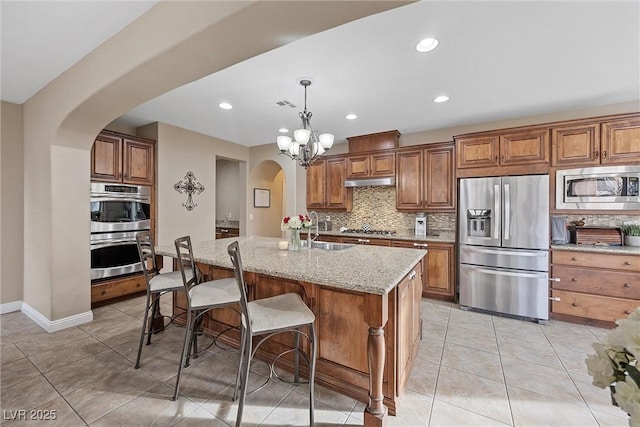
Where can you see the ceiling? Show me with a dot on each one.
(495, 60)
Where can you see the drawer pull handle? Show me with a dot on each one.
(627, 285)
(555, 298)
(627, 263)
(627, 312)
(554, 279)
(575, 304)
(573, 258)
(573, 279)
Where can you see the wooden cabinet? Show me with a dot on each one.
(224, 232)
(440, 271)
(438, 266)
(325, 185)
(597, 142)
(515, 151)
(122, 158)
(409, 324)
(425, 179)
(371, 166)
(594, 287)
(423, 263)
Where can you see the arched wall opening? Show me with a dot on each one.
(267, 184)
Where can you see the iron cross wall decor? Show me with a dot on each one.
(190, 186)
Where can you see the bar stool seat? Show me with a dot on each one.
(157, 283)
(201, 297)
(265, 318)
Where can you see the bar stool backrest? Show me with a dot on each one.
(186, 263)
(147, 255)
(234, 252)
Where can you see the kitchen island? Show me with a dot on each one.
(366, 301)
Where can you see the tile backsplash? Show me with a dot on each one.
(377, 207)
(602, 220)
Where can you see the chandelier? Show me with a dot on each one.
(307, 144)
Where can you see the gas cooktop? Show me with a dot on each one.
(378, 232)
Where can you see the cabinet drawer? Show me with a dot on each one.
(105, 291)
(597, 307)
(610, 283)
(594, 260)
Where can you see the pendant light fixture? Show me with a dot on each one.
(307, 144)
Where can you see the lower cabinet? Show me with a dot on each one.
(594, 287)
(366, 241)
(224, 232)
(118, 287)
(438, 266)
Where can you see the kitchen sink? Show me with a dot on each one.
(328, 246)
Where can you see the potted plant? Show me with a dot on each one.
(631, 234)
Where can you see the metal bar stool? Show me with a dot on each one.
(267, 317)
(158, 284)
(202, 297)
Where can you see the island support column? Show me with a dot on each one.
(377, 314)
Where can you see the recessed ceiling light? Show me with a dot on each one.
(426, 45)
(283, 130)
(441, 98)
(351, 117)
(225, 106)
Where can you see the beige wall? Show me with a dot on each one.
(229, 195)
(11, 203)
(266, 221)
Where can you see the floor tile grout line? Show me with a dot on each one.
(504, 377)
(435, 388)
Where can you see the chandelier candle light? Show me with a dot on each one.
(307, 144)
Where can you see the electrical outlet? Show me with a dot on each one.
(250, 217)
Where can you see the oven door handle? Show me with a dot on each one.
(104, 243)
(112, 198)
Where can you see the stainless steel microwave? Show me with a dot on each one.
(604, 187)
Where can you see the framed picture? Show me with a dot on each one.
(261, 198)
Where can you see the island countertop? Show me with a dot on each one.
(369, 269)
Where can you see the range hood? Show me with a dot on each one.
(368, 182)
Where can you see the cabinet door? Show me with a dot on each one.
(409, 180)
(575, 145)
(439, 180)
(358, 167)
(621, 141)
(526, 147)
(423, 262)
(408, 328)
(382, 164)
(338, 196)
(473, 152)
(440, 279)
(316, 185)
(105, 159)
(138, 162)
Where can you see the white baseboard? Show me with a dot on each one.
(10, 307)
(55, 325)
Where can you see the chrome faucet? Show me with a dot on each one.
(314, 224)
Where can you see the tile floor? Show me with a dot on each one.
(472, 369)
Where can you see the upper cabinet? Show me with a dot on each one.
(325, 185)
(370, 166)
(122, 158)
(602, 142)
(425, 179)
(515, 151)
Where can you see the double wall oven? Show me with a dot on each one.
(118, 213)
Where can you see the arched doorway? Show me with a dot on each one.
(267, 181)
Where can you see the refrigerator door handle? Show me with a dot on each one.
(513, 273)
(507, 252)
(507, 211)
(496, 209)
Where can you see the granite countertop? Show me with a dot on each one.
(363, 268)
(446, 236)
(603, 249)
(227, 224)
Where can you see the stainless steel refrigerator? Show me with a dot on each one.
(504, 245)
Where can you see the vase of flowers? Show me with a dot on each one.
(615, 365)
(294, 224)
